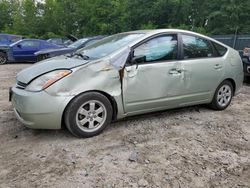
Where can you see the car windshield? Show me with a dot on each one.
(15, 43)
(77, 43)
(108, 45)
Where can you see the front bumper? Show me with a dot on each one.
(38, 110)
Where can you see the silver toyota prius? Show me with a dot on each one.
(126, 74)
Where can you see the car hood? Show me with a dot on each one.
(4, 46)
(62, 62)
(48, 51)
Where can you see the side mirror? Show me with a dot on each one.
(138, 59)
(19, 46)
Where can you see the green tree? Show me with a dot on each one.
(54, 18)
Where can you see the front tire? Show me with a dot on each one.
(223, 96)
(41, 57)
(3, 58)
(88, 114)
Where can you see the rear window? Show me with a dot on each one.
(48, 45)
(221, 50)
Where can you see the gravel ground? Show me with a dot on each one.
(188, 147)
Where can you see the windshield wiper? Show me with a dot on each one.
(85, 57)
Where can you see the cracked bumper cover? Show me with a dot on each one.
(38, 110)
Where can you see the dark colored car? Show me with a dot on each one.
(81, 43)
(246, 62)
(57, 41)
(23, 50)
(63, 41)
(7, 39)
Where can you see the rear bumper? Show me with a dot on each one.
(239, 84)
(38, 110)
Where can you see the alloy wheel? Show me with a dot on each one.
(3, 60)
(91, 116)
(224, 95)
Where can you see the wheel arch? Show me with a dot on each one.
(112, 101)
(109, 97)
(3, 51)
(233, 84)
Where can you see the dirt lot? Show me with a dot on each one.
(189, 147)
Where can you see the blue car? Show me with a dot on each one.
(7, 39)
(24, 50)
(81, 43)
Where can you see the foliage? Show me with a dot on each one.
(54, 18)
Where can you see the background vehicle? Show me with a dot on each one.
(246, 62)
(124, 75)
(63, 41)
(48, 53)
(57, 41)
(23, 50)
(6, 39)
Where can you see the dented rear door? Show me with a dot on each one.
(203, 70)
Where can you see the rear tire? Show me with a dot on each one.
(88, 114)
(223, 96)
(3, 58)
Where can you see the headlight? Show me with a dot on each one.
(46, 80)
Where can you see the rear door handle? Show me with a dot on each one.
(218, 66)
(175, 71)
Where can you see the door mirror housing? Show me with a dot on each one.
(138, 59)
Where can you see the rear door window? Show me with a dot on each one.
(30, 44)
(196, 47)
(221, 50)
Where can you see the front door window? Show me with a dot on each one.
(161, 48)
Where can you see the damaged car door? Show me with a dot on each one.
(153, 78)
(203, 69)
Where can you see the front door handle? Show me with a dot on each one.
(131, 70)
(128, 69)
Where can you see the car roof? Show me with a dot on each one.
(35, 40)
(44, 41)
(156, 31)
(159, 31)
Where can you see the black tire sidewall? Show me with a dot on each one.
(76, 103)
(4, 56)
(215, 103)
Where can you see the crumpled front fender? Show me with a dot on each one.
(98, 76)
